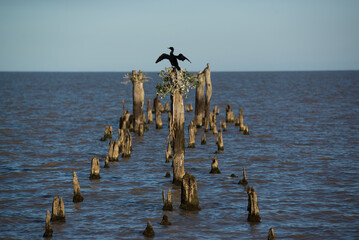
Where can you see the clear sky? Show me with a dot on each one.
(251, 35)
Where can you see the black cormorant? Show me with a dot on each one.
(172, 58)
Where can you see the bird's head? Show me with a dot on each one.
(171, 48)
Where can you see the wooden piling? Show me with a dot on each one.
(253, 209)
(48, 227)
(58, 210)
(95, 168)
(76, 186)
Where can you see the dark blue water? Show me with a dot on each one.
(302, 158)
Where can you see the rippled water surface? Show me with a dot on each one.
(302, 158)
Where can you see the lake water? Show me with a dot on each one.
(301, 157)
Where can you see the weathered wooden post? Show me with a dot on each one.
(127, 144)
(168, 152)
(158, 118)
(220, 141)
(243, 181)
(207, 77)
(191, 134)
(167, 204)
(107, 162)
(165, 220)
(253, 210)
(48, 227)
(95, 168)
(108, 133)
(229, 114)
(271, 235)
(138, 99)
(178, 120)
(240, 119)
(214, 166)
(149, 111)
(149, 232)
(58, 209)
(189, 194)
(200, 101)
(77, 193)
(203, 140)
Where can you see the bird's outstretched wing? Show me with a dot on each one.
(182, 58)
(163, 56)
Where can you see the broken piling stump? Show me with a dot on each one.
(220, 141)
(158, 119)
(95, 168)
(229, 114)
(203, 140)
(200, 101)
(48, 227)
(214, 166)
(168, 153)
(149, 112)
(168, 175)
(223, 125)
(108, 133)
(58, 210)
(189, 194)
(245, 130)
(167, 204)
(192, 134)
(165, 220)
(149, 232)
(77, 193)
(253, 210)
(107, 165)
(271, 235)
(243, 181)
(127, 144)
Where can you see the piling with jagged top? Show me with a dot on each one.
(189, 193)
(127, 144)
(108, 133)
(58, 210)
(167, 203)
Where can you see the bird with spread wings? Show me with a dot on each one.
(173, 58)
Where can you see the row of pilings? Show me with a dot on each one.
(137, 123)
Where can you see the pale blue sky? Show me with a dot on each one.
(79, 35)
